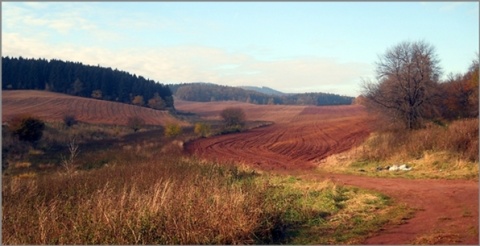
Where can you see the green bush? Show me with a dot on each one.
(173, 130)
(203, 129)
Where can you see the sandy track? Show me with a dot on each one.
(53, 107)
(447, 210)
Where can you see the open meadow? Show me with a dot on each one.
(205, 123)
(306, 177)
(329, 142)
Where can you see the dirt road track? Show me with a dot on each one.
(447, 210)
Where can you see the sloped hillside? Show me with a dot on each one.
(51, 106)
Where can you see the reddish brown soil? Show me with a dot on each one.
(54, 106)
(293, 143)
(447, 210)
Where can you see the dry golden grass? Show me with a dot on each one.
(434, 152)
(176, 200)
(459, 137)
(438, 238)
(147, 193)
(141, 204)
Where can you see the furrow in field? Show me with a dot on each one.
(51, 106)
(302, 136)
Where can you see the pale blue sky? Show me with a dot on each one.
(289, 46)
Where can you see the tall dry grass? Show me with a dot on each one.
(163, 202)
(147, 193)
(459, 139)
(178, 201)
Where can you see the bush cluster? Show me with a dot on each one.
(27, 128)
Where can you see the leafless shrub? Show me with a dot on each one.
(69, 163)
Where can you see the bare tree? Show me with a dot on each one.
(407, 83)
(233, 117)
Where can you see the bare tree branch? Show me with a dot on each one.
(407, 80)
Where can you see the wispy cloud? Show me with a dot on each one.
(167, 64)
(200, 63)
(451, 6)
(173, 43)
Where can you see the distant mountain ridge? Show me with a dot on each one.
(208, 92)
(263, 89)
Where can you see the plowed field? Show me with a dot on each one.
(54, 106)
(300, 136)
(447, 210)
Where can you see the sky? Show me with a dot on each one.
(293, 47)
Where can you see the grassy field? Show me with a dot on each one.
(141, 189)
(438, 151)
(109, 184)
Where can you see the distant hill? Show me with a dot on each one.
(207, 92)
(77, 79)
(52, 107)
(263, 89)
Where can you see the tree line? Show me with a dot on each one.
(75, 78)
(206, 92)
(408, 89)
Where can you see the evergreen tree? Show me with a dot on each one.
(82, 80)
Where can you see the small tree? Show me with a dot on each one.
(202, 129)
(27, 128)
(77, 87)
(135, 122)
(156, 102)
(233, 117)
(138, 100)
(173, 130)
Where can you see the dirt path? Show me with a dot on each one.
(447, 210)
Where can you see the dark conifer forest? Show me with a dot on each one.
(75, 78)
